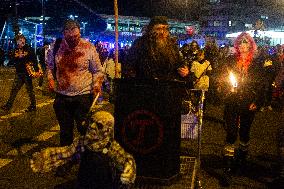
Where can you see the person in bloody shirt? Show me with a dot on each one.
(75, 74)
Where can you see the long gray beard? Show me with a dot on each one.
(164, 48)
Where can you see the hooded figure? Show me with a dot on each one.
(101, 157)
(155, 55)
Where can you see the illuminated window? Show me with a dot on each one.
(217, 23)
(214, 1)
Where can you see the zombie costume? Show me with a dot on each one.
(100, 156)
(77, 72)
(20, 57)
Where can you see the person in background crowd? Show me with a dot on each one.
(109, 69)
(99, 47)
(201, 69)
(123, 53)
(2, 56)
(269, 74)
(193, 51)
(75, 74)
(211, 51)
(104, 55)
(278, 58)
(20, 57)
(215, 96)
(224, 53)
(155, 55)
(41, 54)
(242, 98)
(184, 53)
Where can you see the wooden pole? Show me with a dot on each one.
(116, 37)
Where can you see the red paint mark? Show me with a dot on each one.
(68, 66)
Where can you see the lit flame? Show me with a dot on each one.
(233, 80)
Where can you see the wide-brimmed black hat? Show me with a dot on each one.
(158, 20)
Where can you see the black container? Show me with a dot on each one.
(147, 124)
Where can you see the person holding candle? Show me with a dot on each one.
(242, 81)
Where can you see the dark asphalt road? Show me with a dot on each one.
(22, 134)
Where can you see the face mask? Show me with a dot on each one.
(72, 41)
(21, 43)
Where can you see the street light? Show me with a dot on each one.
(43, 18)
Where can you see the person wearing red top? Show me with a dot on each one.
(242, 98)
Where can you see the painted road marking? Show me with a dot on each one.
(13, 152)
(16, 114)
(4, 162)
(23, 149)
(6, 80)
(45, 136)
(27, 147)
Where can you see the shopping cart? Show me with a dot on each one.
(191, 129)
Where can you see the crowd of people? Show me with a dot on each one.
(77, 71)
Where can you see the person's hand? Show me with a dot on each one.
(97, 89)
(46, 160)
(252, 107)
(184, 71)
(51, 85)
(128, 175)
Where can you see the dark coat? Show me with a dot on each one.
(142, 64)
(250, 85)
(28, 55)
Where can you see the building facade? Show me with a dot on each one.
(220, 17)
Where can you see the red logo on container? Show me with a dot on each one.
(142, 131)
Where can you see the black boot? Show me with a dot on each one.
(6, 107)
(241, 161)
(31, 108)
(64, 169)
(229, 163)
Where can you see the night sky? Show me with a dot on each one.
(33, 7)
(63, 8)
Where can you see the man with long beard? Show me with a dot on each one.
(155, 55)
(153, 95)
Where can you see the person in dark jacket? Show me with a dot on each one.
(22, 56)
(268, 67)
(155, 55)
(242, 83)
